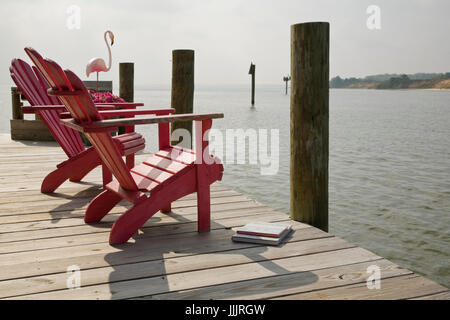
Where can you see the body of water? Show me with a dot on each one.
(389, 186)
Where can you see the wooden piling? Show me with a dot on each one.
(126, 81)
(286, 79)
(182, 99)
(126, 86)
(252, 72)
(17, 113)
(309, 123)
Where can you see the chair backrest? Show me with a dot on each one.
(73, 93)
(34, 87)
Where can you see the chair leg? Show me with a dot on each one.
(107, 175)
(100, 206)
(204, 209)
(167, 209)
(80, 175)
(55, 178)
(130, 222)
(130, 161)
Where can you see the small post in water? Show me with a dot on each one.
(252, 72)
(286, 79)
(309, 123)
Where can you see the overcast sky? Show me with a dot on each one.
(227, 35)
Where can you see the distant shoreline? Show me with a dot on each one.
(396, 89)
(415, 81)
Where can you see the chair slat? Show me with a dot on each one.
(34, 90)
(144, 183)
(176, 155)
(72, 135)
(165, 164)
(45, 86)
(152, 173)
(83, 110)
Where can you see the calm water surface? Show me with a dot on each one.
(389, 164)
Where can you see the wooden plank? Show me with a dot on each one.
(149, 231)
(211, 276)
(151, 119)
(103, 85)
(165, 164)
(76, 226)
(278, 286)
(163, 267)
(52, 202)
(90, 238)
(103, 227)
(75, 190)
(147, 249)
(402, 287)
(81, 203)
(51, 216)
(437, 296)
(29, 130)
(168, 259)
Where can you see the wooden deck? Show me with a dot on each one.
(42, 235)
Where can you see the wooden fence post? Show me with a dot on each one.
(182, 99)
(309, 123)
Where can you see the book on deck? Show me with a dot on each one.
(256, 232)
(264, 229)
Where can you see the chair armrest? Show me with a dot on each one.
(60, 108)
(155, 119)
(124, 112)
(135, 112)
(112, 124)
(124, 105)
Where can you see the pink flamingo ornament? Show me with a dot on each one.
(98, 64)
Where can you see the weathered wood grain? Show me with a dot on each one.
(171, 266)
(309, 123)
(212, 276)
(401, 287)
(41, 235)
(182, 91)
(279, 286)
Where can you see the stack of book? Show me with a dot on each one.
(262, 233)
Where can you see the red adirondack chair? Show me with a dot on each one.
(151, 186)
(81, 161)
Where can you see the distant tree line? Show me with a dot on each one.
(390, 81)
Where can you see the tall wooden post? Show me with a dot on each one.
(309, 123)
(252, 72)
(126, 81)
(126, 92)
(126, 86)
(17, 113)
(182, 99)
